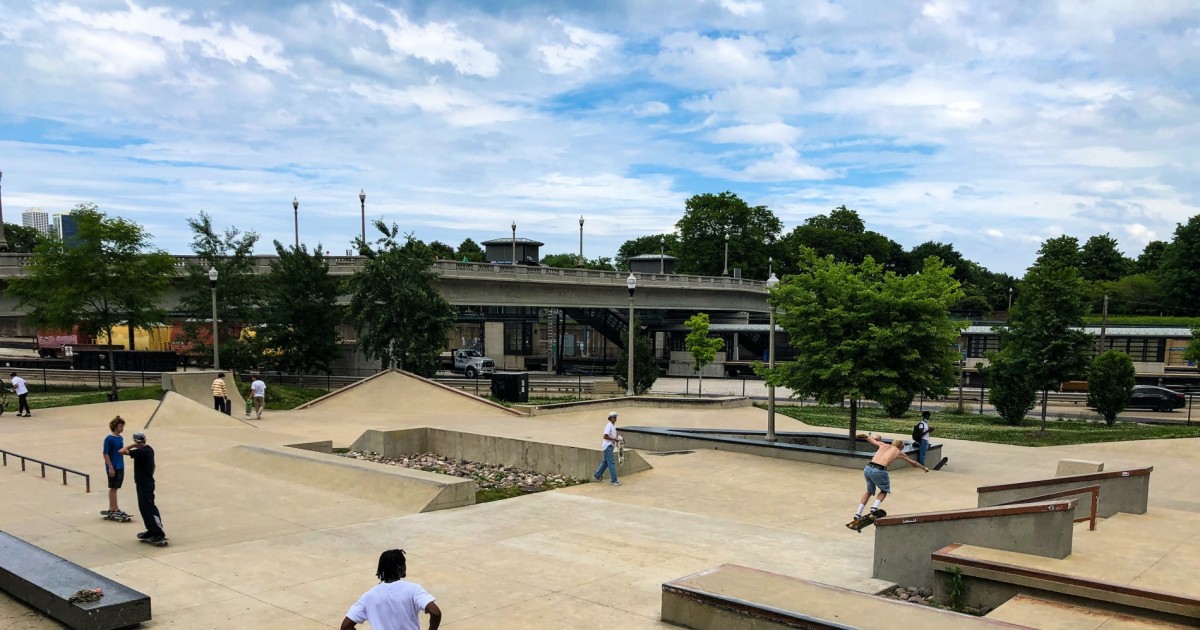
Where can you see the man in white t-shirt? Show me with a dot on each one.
(922, 430)
(393, 604)
(608, 444)
(22, 391)
(258, 394)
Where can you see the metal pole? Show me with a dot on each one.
(362, 200)
(3, 243)
(1103, 324)
(629, 357)
(982, 382)
(216, 343)
(771, 388)
(662, 258)
(580, 264)
(296, 220)
(726, 271)
(514, 243)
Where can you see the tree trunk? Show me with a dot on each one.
(700, 384)
(112, 366)
(130, 336)
(853, 424)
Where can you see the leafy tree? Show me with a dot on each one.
(107, 276)
(1101, 261)
(865, 333)
(441, 251)
(1010, 390)
(400, 317)
(1110, 384)
(1193, 350)
(571, 261)
(470, 251)
(1179, 272)
(753, 232)
(21, 239)
(703, 349)
(1044, 337)
(1062, 251)
(842, 235)
(667, 244)
(1151, 257)
(300, 314)
(239, 289)
(1137, 294)
(645, 370)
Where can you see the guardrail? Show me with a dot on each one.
(1093, 490)
(87, 479)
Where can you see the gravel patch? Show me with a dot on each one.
(487, 476)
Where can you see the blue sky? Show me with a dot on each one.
(989, 125)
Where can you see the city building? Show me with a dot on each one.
(36, 219)
(64, 226)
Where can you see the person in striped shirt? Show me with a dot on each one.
(219, 393)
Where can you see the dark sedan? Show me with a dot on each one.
(1157, 398)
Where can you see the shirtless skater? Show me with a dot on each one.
(876, 473)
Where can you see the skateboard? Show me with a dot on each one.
(3, 401)
(156, 543)
(866, 521)
(120, 518)
(620, 452)
(938, 466)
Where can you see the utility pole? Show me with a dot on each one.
(1103, 324)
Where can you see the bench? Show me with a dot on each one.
(46, 582)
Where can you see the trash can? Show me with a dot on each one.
(511, 386)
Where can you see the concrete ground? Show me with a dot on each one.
(268, 552)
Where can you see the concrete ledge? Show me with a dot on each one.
(903, 544)
(1120, 490)
(406, 489)
(650, 402)
(992, 583)
(46, 582)
(731, 597)
(543, 457)
(379, 375)
(1068, 467)
(323, 446)
(812, 447)
(198, 387)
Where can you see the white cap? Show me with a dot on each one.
(612, 414)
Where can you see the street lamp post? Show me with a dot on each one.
(580, 264)
(771, 268)
(1010, 298)
(3, 243)
(662, 255)
(631, 284)
(296, 220)
(362, 202)
(726, 271)
(772, 282)
(212, 282)
(514, 243)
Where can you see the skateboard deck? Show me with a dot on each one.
(866, 521)
(122, 518)
(158, 543)
(938, 466)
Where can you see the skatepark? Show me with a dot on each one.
(269, 530)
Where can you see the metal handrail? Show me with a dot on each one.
(1093, 490)
(87, 479)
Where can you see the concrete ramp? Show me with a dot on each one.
(396, 391)
(198, 387)
(179, 412)
(409, 491)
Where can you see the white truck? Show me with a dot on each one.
(472, 363)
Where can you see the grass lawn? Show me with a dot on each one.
(283, 397)
(279, 397)
(984, 428)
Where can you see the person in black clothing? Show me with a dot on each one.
(142, 455)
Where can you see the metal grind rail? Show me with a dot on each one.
(1093, 490)
(4, 455)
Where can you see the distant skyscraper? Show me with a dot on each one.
(65, 228)
(36, 219)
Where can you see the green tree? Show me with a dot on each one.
(1010, 390)
(666, 244)
(21, 239)
(106, 277)
(1062, 251)
(1101, 261)
(239, 288)
(1044, 337)
(1179, 272)
(1151, 257)
(703, 348)
(753, 233)
(1110, 384)
(843, 235)
(1137, 294)
(470, 251)
(400, 317)
(861, 332)
(441, 251)
(1193, 350)
(571, 261)
(300, 314)
(645, 370)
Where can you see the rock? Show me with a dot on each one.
(925, 592)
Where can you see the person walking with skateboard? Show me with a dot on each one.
(394, 603)
(142, 455)
(258, 394)
(920, 436)
(220, 394)
(610, 441)
(22, 392)
(114, 465)
(876, 474)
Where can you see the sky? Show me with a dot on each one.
(991, 125)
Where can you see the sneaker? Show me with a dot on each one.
(143, 535)
(155, 539)
(105, 512)
(595, 479)
(616, 483)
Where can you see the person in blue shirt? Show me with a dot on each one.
(114, 465)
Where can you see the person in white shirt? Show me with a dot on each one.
(258, 393)
(393, 604)
(610, 442)
(22, 391)
(922, 431)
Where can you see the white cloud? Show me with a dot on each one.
(783, 165)
(742, 7)
(771, 133)
(651, 108)
(434, 42)
(584, 49)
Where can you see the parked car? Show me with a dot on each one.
(1156, 398)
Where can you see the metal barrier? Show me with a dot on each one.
(87, 479)
(1093, 490)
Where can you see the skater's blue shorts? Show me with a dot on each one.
(877, 477)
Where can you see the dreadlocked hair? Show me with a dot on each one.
(391, 565)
